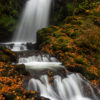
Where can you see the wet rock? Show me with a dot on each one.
(35, 95)
(31, 46)
(21, 69)
(50, 73)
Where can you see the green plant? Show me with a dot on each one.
(79, 61)
(79, 22)
(0, 86)
(97, 14)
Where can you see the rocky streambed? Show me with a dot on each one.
(42, 72)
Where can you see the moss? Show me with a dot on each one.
(1, 86)
(61, 44)
(97, 14)
(97, 56)
(56, 34)
(79, 22)
(80, 61)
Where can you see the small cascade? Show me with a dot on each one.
(35, 16)
(40, 62)
(18, 46)
(69, 88)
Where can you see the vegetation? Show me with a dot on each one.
(9, 14)
(75, 42)
(11, 79)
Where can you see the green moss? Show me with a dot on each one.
(97, 14)
(1, 86)
(79, 61)
(79, 22)
(97, 56)
(61, 44)
(56, 34)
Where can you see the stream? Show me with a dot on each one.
(48, 75)
(50, 78)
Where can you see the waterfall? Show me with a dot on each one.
(40, 63)
(69, 88)
(34, 17)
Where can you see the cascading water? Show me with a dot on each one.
(40, 63)
(34, 17)
(69, 88)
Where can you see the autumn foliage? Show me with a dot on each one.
(76, 43)
(11, 86)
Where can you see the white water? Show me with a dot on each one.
(69, 88)
(34, 17)
(40, 62)
(18, 46)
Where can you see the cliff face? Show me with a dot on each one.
(75, 42)
(9, 13)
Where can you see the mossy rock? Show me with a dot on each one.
(21, 69)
